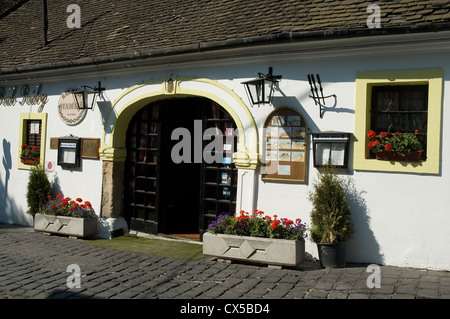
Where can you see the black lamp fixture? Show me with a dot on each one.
(86, 96)
(261, 90)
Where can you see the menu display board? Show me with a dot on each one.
(285, 146)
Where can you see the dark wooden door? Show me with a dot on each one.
(141, 189)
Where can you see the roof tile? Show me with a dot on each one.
(125, 27)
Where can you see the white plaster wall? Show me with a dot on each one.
(400, 219)
(12, 181)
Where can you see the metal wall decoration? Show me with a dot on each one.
(315, 93)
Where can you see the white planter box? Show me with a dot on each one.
(71, 226)
(277, 252)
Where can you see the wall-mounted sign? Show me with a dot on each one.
(69, 150)
(90, 148)
(331, 148)
(285, 146)
(50, 166)
(68, 110)
(36, 98)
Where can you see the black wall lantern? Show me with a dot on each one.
(86, 97)
(260, 90)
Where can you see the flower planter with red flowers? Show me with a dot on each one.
(64, 216)
(29, 154)
(244, 238)
(29, 160)
(399, 147)
(415, 156)
(65, 225)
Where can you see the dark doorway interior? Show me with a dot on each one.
(179, 182)
(162, 196)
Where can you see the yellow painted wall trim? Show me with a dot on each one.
(116, 148)
(22, 136)
(364, 83)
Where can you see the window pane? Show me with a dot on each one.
(400, 108)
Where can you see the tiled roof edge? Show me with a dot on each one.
(218, 45)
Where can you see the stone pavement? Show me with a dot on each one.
(34, 265)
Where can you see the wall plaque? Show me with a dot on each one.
(68, 110)
(90, 148)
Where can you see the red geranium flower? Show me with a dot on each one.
(79, 200)
(275, 224)
(383, 134)
(372, 134)
(370, 145)
(388, 147)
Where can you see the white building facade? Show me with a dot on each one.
(399, 210)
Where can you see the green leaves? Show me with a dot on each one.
(330, 216)
(38, 189)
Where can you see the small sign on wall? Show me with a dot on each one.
(49, 166)
(53, 143)
(90, 148)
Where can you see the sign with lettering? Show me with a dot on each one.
(36, 98)
(68, 109)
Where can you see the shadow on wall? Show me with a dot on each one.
(9, 212)
(363, 247)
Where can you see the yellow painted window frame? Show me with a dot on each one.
(364, 83)
(24, 117)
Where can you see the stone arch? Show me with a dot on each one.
(113, 151)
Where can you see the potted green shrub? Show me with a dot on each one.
(38, 189)
(331, 225)
(256, 239)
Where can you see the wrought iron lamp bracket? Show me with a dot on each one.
(322, 106)
(315, 94)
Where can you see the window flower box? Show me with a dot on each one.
(400, 147)
(29, 154)
(29, 160)
(415, 156)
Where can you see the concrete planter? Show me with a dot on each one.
(71, 226)
(273, 252)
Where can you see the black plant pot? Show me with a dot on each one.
(331, 255)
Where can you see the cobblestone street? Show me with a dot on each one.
(34, 265)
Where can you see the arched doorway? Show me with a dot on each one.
(163, 195)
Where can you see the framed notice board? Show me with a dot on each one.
(285, 146)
